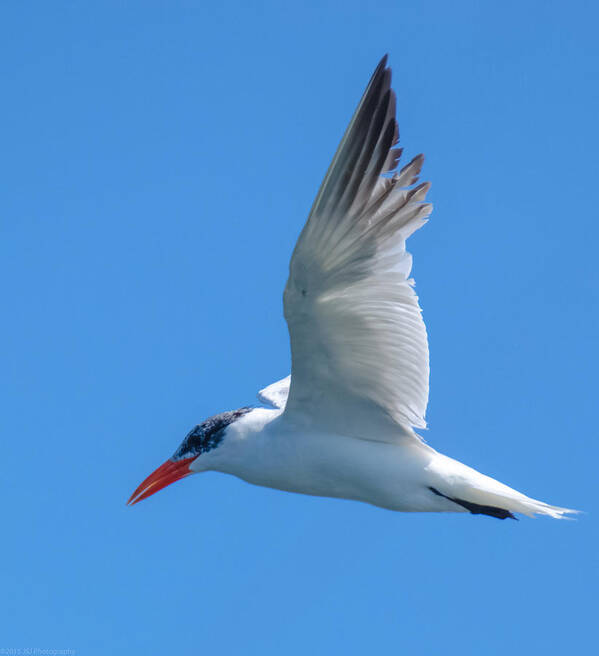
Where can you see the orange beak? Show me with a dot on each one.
(167, 473)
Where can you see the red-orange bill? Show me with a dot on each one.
(167, 473)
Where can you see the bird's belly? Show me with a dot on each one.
(389, 475)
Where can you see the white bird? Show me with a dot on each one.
(342, 424)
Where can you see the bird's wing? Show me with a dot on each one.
(276, 393)
(358, 341)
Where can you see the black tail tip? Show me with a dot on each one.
(476, 508)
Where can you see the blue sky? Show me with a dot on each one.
(159, 160)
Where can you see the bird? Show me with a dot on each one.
(344, 423)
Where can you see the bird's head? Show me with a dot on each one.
(187, 459)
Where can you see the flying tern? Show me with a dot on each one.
(342, 424)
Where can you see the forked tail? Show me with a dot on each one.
(483, 495)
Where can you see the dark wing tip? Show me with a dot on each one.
(364, 152)
(380, 71)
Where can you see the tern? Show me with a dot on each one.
(342, 424)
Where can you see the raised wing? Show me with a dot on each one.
(358, 341)
(276, 393)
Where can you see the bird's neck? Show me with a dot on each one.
(243, 442)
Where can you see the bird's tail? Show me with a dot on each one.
(482, 494)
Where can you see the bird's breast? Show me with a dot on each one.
(323, 464)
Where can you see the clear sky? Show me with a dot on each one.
(158, 162)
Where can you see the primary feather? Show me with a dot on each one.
(354, 321)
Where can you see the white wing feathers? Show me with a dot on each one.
(357, 336)
(276, 393)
